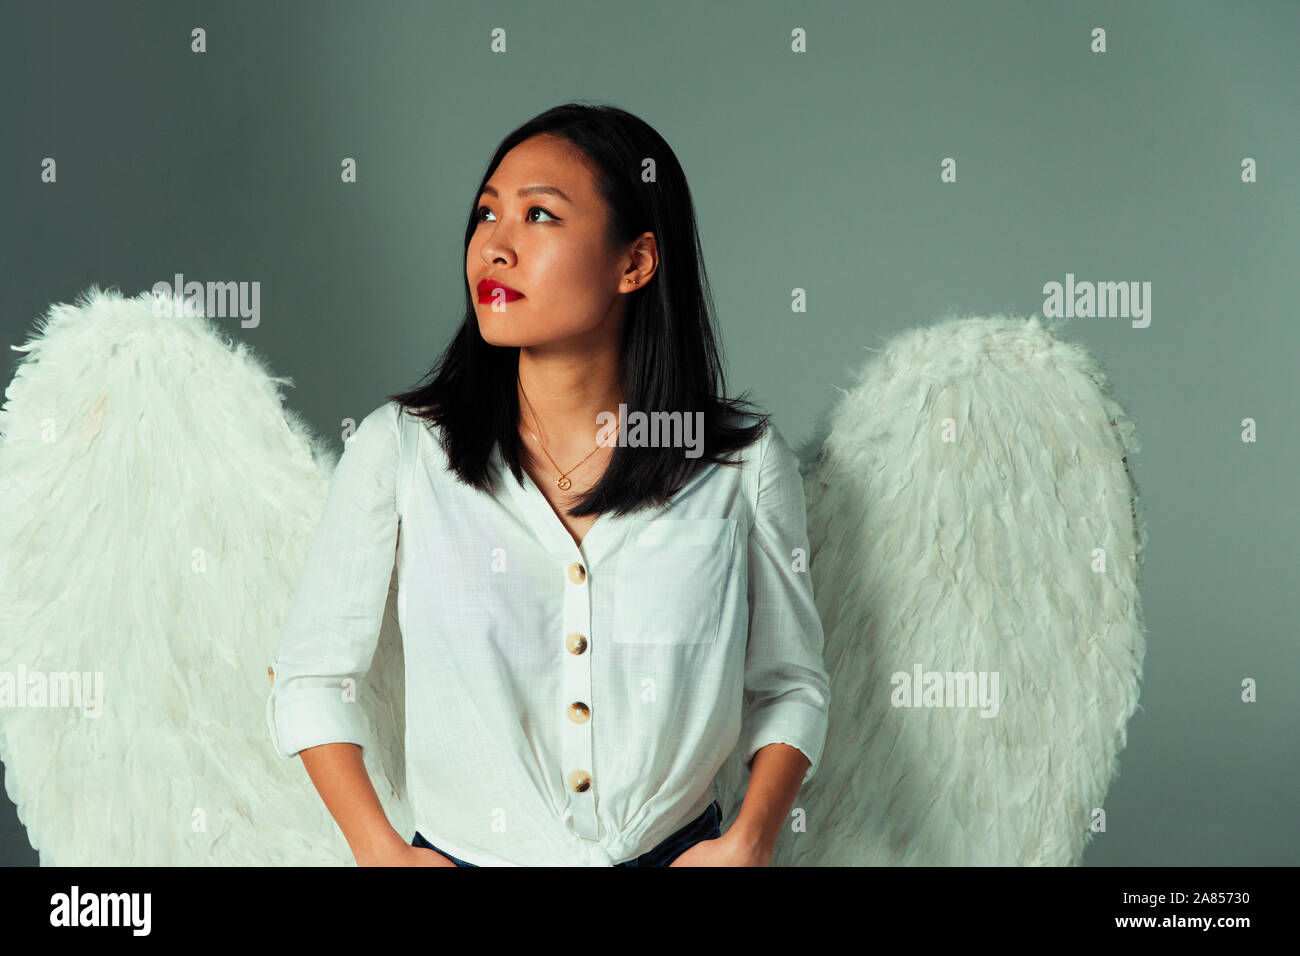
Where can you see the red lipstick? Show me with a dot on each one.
(487, 291)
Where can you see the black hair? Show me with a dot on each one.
(669, 356)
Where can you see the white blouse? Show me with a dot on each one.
(565, 705)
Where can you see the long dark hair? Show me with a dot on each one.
(669, 358)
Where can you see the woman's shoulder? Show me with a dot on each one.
(771, 462)
(370, 447)
(388, 433)
(404, 421)
(417, 435)
(768, 436)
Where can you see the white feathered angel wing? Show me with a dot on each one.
(159, 501)
(970, 511)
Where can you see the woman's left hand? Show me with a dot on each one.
(730, 849)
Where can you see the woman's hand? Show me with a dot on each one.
(423, 856)
(401, 853)
(730, 849)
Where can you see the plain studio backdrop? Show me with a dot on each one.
(815, 167)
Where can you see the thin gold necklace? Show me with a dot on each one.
(563, 482)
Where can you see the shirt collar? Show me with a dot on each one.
(550, 530)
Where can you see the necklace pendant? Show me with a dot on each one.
(564, 484)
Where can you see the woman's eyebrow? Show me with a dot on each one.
(532, 191)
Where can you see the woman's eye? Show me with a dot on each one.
(484, 209)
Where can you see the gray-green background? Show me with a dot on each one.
(818, 171)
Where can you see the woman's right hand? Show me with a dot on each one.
(400, 853)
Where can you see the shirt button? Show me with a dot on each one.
(579, 712)
(576, 643)
(577, 573)
(580, 781)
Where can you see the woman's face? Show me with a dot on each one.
(549, 246)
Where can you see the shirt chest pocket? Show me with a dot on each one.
(671, 581)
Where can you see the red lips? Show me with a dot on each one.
(487, 291)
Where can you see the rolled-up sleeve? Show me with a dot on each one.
(787, 689)
(329, 636)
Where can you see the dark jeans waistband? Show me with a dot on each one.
(707, 826)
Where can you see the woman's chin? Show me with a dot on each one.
(494, 334)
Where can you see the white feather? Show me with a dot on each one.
(975, 554)
(157, 539)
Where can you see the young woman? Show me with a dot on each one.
(601, 560)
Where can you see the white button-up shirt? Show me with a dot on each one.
(565, 704)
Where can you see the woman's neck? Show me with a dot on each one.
(560, 398)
